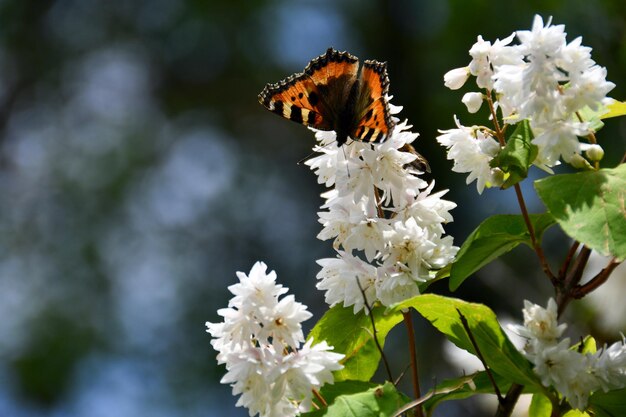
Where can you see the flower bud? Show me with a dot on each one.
(454, 79)
(594, 153)
(472, 101)
(497, 177)
(579, 162)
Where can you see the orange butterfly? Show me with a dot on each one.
(332, 94)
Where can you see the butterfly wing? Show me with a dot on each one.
(420, 163)
(372, 110)
(314, 96)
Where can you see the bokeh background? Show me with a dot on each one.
(138, 173)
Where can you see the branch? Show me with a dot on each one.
(520, 198)
(505, 408)
(580, 291)
(533, 238)
(568, 260)
(408, 321)
(564, 295)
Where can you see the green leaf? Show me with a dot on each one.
(517, 156)
(592, 117)
(616, 109)
(497, 350)
(608, 404)
(382, 400)
(589, 207)
(493, 238)
(331, 391)
(464, 387)
(442, 273)
(351, 334)
(588, 345)
(576, 413)
(540, 406)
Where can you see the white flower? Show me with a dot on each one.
(395, 283)
(340, 277)
(429, 210)
(557, 364)
(368, 237)
(555, 80)
(588, 88)
(409, 247)
(386, 225)
(454, 79)
(342, 216)
(558, 139)
(472, 101)
(486, 58)
(391, 175)
(326, 164)
(573, 374)
(541, 323)
(472, 150)
(610, 366)
(304, 370)
(259, 343)
(542, 42)
(545, 80)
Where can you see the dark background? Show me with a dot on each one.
(138, 173)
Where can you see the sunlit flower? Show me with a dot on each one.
(574, 374)
(486, 58)
(544, 80)
(347, 280)
(472, 150)
(399, 250)
(259, 342)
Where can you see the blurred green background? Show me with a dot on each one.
(138, 173)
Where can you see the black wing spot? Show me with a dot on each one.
(313, 98)
(368, 115)
(296, 114)
(278, 107)
(300, 95)
(293, 98)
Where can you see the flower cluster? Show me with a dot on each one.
(386, 222)
(544, 80)
(574, 374)
(259, 341)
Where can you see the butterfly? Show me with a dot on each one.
(333, 94)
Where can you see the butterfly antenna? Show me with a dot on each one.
(300, 162)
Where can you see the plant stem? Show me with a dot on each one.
(374, 332)
(320, 398)
(520, 198)
(572, 278)
(499, 131)
(531, 232)
(480, 355)
(408, 321)
(580, 291)
(505, 407)
(568, 260)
